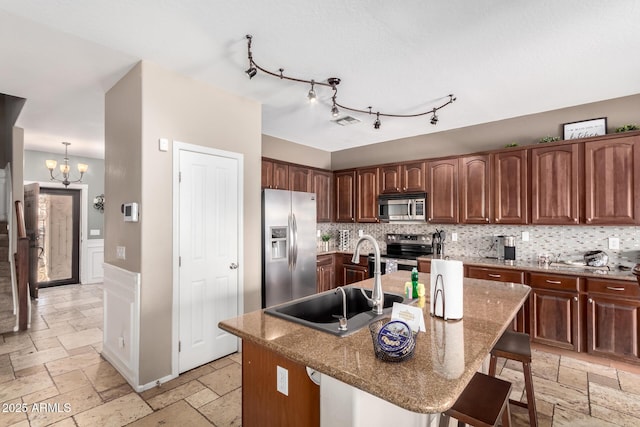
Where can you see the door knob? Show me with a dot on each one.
(233, 266)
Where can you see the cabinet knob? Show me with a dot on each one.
(590, 301)
(575, 299)
(486, 220)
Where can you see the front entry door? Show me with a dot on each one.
(208, 244)
(31, 201)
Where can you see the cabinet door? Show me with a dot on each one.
(510, 194)
(554, 185)
(322, 186)
(325, 274)
(345, 196)
(554, 318)
(443, 191)
(612, 327)
(475, 189)
(390, 179)
(414, 177)
(299, 179)
(612, 181)
(267, 174)
(354, 273)
(367, 195)
(280, 176)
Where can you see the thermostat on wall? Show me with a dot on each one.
(130, 212)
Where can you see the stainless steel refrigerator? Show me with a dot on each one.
(288, 245)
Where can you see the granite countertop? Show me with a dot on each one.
(446, 355)
(557, 268)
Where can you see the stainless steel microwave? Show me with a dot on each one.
(408, 207)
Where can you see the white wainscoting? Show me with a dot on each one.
(94, 261)
(121, 340)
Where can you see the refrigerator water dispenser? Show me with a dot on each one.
(278, 242)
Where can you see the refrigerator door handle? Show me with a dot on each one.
(294, 233)
(289, 243)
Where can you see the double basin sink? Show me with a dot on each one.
(323, 311)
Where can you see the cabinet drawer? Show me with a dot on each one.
(497, 274)
(553, 281)
(324, 260)
(617, 288)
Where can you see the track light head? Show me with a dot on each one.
(311, 96)
(334, 111)
(251, 72)
(376, 124)
(434, 119)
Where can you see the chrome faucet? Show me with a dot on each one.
(377, 297)
(343, 319)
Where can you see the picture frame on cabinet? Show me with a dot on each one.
(585, 128)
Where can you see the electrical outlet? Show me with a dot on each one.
(525, 236)
(120, 252)
(454, 237)
(283, 380)
(614, 243)
(360, 233)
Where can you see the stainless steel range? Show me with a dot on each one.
(403, 251)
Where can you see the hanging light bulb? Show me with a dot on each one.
(376, 124)
(311, 96)
(251, 72)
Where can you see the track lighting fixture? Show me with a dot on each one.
(434, 118)
(332, 83)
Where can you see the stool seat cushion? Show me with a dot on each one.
(482, 401)
(514, 346)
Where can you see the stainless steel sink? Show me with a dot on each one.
(322, 311)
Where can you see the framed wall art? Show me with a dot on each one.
(585, 128)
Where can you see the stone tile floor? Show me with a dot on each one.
(55, 371)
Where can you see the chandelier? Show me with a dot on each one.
(332, 83)
(65, 169)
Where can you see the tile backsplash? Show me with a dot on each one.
(563, 242)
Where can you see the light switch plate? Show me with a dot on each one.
(283, 380)
(163, 144)
(454, 237)
(525, 236)
(120, 252)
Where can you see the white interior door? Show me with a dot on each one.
(208, 245)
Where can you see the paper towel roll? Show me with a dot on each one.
(446, 296)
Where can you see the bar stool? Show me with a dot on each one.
(516, 346)
(482, 403)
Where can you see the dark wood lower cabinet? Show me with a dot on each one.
(354, 273)
(325, 273)
(612, 327)
(555, 318)
(263, 404)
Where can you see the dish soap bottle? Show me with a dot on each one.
(414, 282)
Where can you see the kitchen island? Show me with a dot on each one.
(446, 355)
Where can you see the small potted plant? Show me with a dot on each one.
(627, 128)
(549, 139)
(325, 241)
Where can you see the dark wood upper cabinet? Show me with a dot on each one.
(275, 175)
(612, 181)
(300, 178)
(322, 185)
(555, 175)
(345, 196)
(442, 177)
(403, 178)
(510, 192)
(475, 189)
(367, 195)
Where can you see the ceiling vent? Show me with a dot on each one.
(346, 120)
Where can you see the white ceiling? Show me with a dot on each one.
(501, 58)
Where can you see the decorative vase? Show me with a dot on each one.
(325, 246)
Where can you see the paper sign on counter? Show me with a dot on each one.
(411, 315)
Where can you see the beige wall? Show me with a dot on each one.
(281, 149)
(524, 130)
(179, 109)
